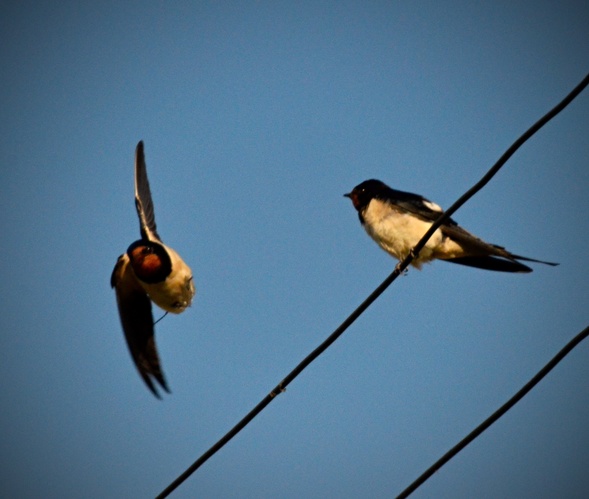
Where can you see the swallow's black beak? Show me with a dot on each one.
(348, 195)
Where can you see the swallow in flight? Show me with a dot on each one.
(397, 220)
(148, 271)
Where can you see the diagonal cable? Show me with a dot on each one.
(376, 293)
(496, 415)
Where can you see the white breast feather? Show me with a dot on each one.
(397, 232)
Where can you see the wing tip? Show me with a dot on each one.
(492, 263)
(152, 373)
(162, 384)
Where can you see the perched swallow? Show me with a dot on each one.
(148, 271)
(397, 220)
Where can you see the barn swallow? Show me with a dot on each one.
(148, 271)
(397, 220)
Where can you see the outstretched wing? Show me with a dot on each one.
(137, 321)
(143, 201)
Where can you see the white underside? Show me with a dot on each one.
(397, 233)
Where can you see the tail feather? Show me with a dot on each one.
(526, 259)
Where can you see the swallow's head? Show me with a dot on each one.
(150, 261)
(363, 193)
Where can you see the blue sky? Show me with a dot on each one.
(257, 117)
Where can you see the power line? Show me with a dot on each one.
(496, 415)
(401, 266)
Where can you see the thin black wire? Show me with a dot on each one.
(375, 294)
(160, 318)
(496, 415)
